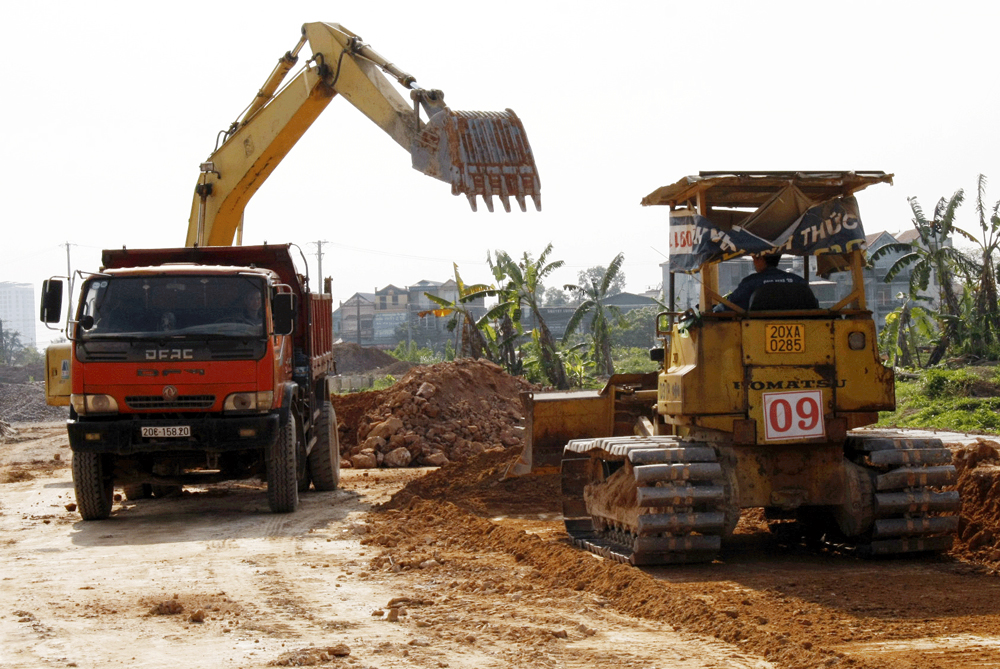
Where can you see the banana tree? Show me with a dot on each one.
(519, 287)
(477, 337)
(931, 255)
(594, 296)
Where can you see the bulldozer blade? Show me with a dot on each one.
(479, 153)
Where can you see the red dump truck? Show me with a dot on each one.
(197, 365)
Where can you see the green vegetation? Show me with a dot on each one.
(633, 360)
(961, 400)
(13, 352)
(513, 333)
(966, 317)
(382, 383)
(421, 356)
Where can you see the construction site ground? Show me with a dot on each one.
(457, 567)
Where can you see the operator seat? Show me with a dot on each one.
(783, 297)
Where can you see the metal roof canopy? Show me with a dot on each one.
(732, 190)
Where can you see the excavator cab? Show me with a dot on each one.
(757, 407)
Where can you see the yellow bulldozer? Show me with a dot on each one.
(756, 405)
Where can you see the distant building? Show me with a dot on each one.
(557, 318)
(391, 309)
(357, 319)
(392, 314)
(17, 310)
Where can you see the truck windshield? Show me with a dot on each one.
(158, 306)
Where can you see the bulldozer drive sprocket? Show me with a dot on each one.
(913, 511)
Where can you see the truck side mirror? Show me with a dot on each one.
(52, 292)
(283, 313)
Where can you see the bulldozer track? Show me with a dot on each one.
(912, 511)
(671, 503)
(659, 500)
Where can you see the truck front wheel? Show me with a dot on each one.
(324, 458)
(282, 472)
(94, 484)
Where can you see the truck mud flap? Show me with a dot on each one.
(479, 153)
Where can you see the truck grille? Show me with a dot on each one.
(107, 356)
(182, 402)
(236, 353)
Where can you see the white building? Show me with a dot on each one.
(17, 310)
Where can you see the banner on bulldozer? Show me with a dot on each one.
(832, 227)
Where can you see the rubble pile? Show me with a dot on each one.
(434, 415)
(25, 403)
(978, 468)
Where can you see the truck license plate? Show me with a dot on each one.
(167, 431)
(785, 338)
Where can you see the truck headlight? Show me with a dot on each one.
(86, 405)
(260, 401)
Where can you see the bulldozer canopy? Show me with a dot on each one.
(717, 216)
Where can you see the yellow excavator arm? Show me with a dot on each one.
(478, 153)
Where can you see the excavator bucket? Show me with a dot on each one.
(479, 153)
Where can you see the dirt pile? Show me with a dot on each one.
(22, 373)
(433, 415)
(978, 468)
(478, 485)
(25, 403)
(356, 359)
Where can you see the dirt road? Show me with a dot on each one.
(214, 579)
(455, 569)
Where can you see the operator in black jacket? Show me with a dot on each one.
(767, 271)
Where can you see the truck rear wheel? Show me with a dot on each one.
(282, 472)
(324, 459)
(94, 484)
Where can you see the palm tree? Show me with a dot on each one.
(986, 312)
(932, 255)
(594, 296)
(521, 286)
(905, 327)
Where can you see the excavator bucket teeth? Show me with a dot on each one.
(479, 153)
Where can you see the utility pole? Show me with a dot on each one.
(319, 260)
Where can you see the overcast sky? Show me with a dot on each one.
(110, 108)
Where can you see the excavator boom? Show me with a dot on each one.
(479, 153)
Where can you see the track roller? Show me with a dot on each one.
(647, 500)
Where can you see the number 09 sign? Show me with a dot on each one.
(793, 415)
